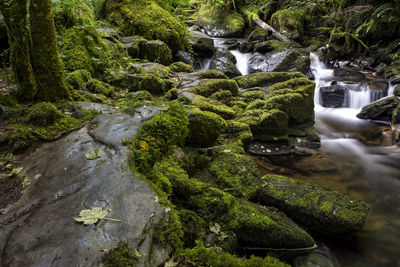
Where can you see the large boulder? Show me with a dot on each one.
(318, 208)
(40, 230)
(204, 128)
(286, 60)
(219, 24)
(333, 96)
(225, 62)
(148, 19)
(290, 22)
(202, 44)
(263, 79)
(379, 110)
(154, 51)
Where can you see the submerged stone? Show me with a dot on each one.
(318, 208)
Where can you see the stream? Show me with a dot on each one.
(357, 158)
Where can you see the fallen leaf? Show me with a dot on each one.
(95, 154)
(144, 145)
(89, 217)
(216, 228)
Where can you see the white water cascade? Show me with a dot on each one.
(242, 61)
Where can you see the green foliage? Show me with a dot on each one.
(70, 13)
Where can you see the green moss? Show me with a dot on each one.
(207, 88)
(148, 19)
(204, 128)
(249, 96)
(257, 104)
(207, 104)
(68, 14)
(265, 78)
(82, 47)
(321, 209)
(99, 87)
(181, 67)
(20, 137)
(44, 114)
(220, 23)
(137, 82)
(161, 134)
(294, 105)
(234, 173)
(120, 256)
(77, 79)
(155, 51)
(151, 68)
(202, 256)
(267, 227)
(211, 74)
(172, 94)
(223, 96)
(169, 234)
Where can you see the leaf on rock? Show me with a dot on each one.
(95, 154)
(89, 217)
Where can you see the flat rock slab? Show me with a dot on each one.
(320, 209)
(40, 230)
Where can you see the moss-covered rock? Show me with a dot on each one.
(138, 82)
(211, 74)
(219, 24)
(98, 87)
(120, 256)
(181, 67)
(204, 128)
(207, 88)
(267, 125)
(320, 209)
(223, 96)
(212, 256)
(68, 14)
(249, 96)
(155, 51)
(77, 79)
(258, 34)
(44, 114)
(207, 104)
(265, 78)
(146, 18)
(234, 173)
(150, 68)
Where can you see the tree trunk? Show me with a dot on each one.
(15, 16)
(45, 57)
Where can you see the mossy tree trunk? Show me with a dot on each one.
(15, 18)
(45, 57)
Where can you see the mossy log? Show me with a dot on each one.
(256, 19)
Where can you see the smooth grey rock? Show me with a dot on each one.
(225, 62)
(39, 229)
(333, 96)
(202, 44)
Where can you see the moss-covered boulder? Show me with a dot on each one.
(181, 67)
(204, 128)
(267, 227)
(156, 69)
(219, 24)
(267, 125)
(155, 51)
(208, 104)
(207, 88)
(44, 114)
(202, 44)
(379, 110)
(318, 208)
(265, 78)
(98, 87)
(148, 19)
(77, 79)
(137, 82)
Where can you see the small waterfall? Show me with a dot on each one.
(242, 61)
(205, 63)
(391, 89)
(358, 99)
(321, 73)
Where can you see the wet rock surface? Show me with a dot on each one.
(333, 96)
(39, 229)
(379, 110)
(225, 62)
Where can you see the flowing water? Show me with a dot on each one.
(357, 158)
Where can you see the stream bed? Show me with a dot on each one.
(357, 158)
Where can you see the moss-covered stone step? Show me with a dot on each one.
(320, 209)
